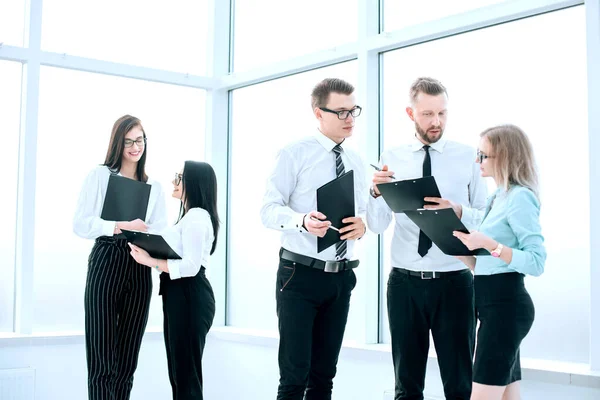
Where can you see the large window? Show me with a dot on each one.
(533, 75)
(253, 248)
(166, 35)
(266, 31)
(77, 111)
(401, 14)
(10, 102)
(12, 21)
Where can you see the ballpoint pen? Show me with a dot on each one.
(330, 226)
(380, 170)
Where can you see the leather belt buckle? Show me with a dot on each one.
(428, 275)
(333, 266)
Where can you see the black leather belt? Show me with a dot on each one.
(430, 274)
(327, 266)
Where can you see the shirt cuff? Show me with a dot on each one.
(108, 228)
(174, 272)
(295, 224)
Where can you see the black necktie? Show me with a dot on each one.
(340, 247)
(424, 241)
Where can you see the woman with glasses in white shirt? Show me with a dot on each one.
(188, 299)
(117, 290)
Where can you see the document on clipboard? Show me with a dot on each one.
(438, 225)
(335, 199)
(154, 244)
(409, 194)
(126, 199)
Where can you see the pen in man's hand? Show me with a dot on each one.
(330, 226)
(380, 170)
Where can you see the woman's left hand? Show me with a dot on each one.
(474, 240)
(140, 255)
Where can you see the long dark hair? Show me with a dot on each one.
(116, 146)
(200, 190)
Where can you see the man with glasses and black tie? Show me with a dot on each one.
(429, 291)
(313, 301)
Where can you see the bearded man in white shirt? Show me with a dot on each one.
(429, 291)
(313, 288)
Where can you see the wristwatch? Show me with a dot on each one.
(498, 250)
(373, 194)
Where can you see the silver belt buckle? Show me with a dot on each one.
(332, 266)
(428, 277)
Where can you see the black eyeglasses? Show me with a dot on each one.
(141, 142)
(178, 178)
(481, 156)
(343, 114)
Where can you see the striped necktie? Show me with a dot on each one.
(340, 247)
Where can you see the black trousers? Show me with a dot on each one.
(444, 306)
(117, 301)
(189, 310)
(312, 307)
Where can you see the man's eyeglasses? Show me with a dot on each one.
(141, 142)
(343, 114)
(481, 156)
(178, 178)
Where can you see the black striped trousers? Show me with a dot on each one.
(117, 301)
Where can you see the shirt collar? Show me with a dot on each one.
(437, 146)
(327, 143)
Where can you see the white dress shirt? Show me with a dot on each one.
(459, 180)
(301, 168)
(192, 239)
(87, 222)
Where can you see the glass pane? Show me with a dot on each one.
(270, 30)
(169, 36)
(253, 264)
(10, 103)
(12, 21)
(399, 14)
(493, 77)
(77, 111)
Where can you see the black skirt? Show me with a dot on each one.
(506, 313)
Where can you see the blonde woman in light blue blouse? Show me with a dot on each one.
(511, 232)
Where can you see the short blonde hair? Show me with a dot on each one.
(426, 85)
(513, 157)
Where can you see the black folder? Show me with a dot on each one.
(126, 199)
(155, 245)
(438, 225)
(409, 194)
(335, 199)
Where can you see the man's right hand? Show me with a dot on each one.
(316, 223)
(383, 176)
(135, 225)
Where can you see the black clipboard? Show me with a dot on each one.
(438, 225)
(155, 245)
(335, 199)
(126, 199)
(409, 194)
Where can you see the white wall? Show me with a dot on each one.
(235, 368)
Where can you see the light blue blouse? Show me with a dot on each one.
(513, 219)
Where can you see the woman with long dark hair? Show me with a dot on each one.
(118, 289)
(188, 299)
